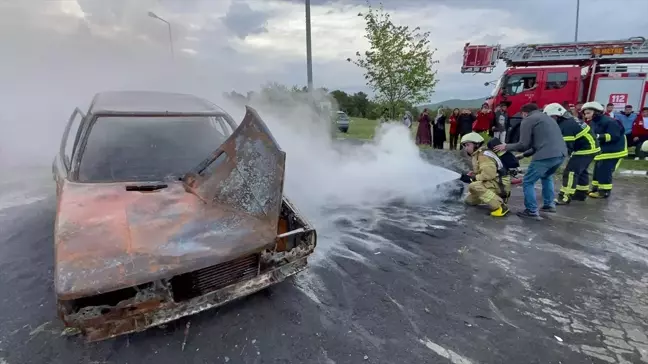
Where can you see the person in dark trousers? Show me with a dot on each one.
(500, 121)
(438, 130)
(465, 122)
(611, 137)
(454, 129)
(539, 132)
(582, 146)
(640, 134)
(513, 129)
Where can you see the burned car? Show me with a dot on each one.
(165, 208)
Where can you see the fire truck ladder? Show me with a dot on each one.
(632, 50)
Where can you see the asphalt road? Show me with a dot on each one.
(402, 284)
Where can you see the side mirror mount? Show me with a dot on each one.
(486, 83)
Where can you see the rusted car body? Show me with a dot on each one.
(146, 233)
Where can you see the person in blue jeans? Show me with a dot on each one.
(538, 131)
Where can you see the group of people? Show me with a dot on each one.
(461, 122)
(497, 124)
(549, 136)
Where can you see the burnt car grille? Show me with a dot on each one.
(197, 283)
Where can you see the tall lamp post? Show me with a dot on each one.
(309, 53)
(154, 16)
(577, 15)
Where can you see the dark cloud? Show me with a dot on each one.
(244, 21)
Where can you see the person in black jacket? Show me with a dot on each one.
(614, 148)
(581, 147)
(465, 122)
(513, 128)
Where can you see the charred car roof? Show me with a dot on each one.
(151, 103)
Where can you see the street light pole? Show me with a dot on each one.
(154, 16)
(577, 15)
(309, 53)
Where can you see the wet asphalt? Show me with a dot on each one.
(440, 283)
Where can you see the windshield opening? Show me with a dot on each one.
(138, 149)
(498, 85)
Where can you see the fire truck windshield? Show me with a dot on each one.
(498, 86)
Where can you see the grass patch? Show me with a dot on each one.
(360, 128)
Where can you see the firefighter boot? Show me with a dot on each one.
(579, 196)
(563, 199)
(501, 211)
(600, 194)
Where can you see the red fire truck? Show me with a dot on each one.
(604, 71)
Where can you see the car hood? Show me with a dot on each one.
(108, 237)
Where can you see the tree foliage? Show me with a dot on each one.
(398, 65)
(356, 105)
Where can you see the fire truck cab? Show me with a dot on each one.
(566, 73)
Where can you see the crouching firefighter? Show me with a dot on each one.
(489, 183)
(614, 148)
(582, 147)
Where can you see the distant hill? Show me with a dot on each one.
(455, 103)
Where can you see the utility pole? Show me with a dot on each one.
(577, 15)
(309, 51)
(154, 16)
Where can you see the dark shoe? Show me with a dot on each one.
(562, 199)
(548, 209)
(529, 215)
(579, 196)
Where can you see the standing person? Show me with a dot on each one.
(465, 122)
(613, 148)
(454, 130)
(542, 133)
(627, 118)
(640, 134)
(501, 122)
(423, 133)
(609, 110)
(438, 130)
(579, 109)
(488, 183)
(581, 147)
(407, 119)
(484, 121)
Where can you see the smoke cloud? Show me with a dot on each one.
(52, 69)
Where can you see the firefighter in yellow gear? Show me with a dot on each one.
(489, 183)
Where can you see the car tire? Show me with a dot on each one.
(344, 130)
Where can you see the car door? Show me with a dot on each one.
(69, 141)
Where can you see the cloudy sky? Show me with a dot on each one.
(75, 45)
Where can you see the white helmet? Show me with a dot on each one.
(472, 138)
(554, 109)
(644, 147)
(593, 105)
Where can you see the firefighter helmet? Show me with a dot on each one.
(472, 138)
(644, 147)
(554, 109)
(593, 105)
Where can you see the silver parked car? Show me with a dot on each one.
(342, 121)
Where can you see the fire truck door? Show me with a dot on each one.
(556, 87)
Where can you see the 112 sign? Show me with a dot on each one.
(618, 100)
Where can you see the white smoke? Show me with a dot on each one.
(48, 75)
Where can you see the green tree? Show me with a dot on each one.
(398, 65)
